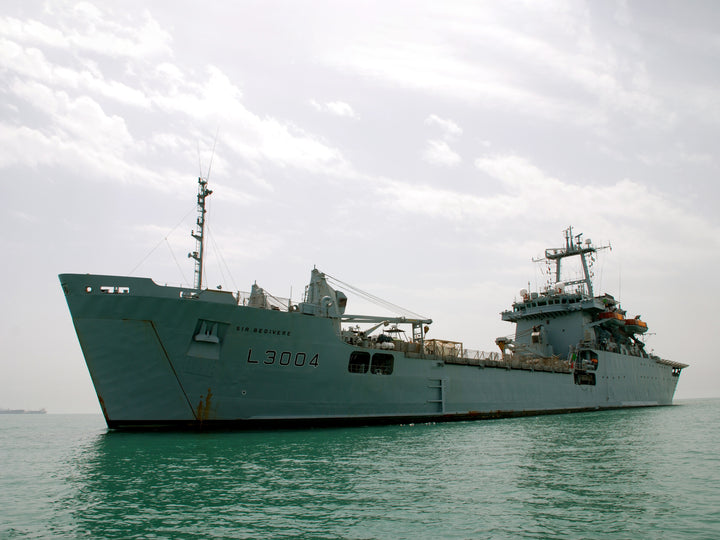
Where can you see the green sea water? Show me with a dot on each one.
(643, 473)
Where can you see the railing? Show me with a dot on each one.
(273, 302)
(468, 357)
(553, 364)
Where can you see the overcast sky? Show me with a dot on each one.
(422, 151)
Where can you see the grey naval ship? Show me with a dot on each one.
(162, 356)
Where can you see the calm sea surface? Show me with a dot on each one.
(646, 473)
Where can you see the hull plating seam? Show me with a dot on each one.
(172, 368)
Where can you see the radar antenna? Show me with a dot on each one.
(574, 247)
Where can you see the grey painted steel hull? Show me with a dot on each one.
(263, 367)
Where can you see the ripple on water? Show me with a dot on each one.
(617, 474)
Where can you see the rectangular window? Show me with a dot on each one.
(359, 362)
(382, 364)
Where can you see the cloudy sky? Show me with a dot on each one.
(423, 151)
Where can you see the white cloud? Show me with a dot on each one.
(34, 148)
(622, 13)
(70, 92)
(81, 119)
(32, 64)
(33, 32)
(516, 173)
(454, 206)
(78, 135)
(449, 128)
(169, 72)
(89, 29)
(337, 108)
(442, 72)
(459, 51)
(218, 100)
(622, 209)
(88, 11)
(439, 153)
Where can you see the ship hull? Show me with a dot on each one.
(167, 357)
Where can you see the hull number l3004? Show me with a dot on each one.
(285, 358)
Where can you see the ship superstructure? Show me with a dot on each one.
(567, 321)
(187, 357)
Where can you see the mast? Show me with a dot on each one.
(199, 236)
(574, 247)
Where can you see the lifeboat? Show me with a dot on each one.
(636, 326)
(611, 318)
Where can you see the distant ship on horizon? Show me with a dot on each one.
(22, 411)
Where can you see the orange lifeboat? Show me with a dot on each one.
(611, 318)
(636, 326)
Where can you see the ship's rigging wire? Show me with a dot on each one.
(222, 259)
(164, 239)
(600, 274)
(280, 302)
(212, 154)
(176, 261)
(374, 299)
